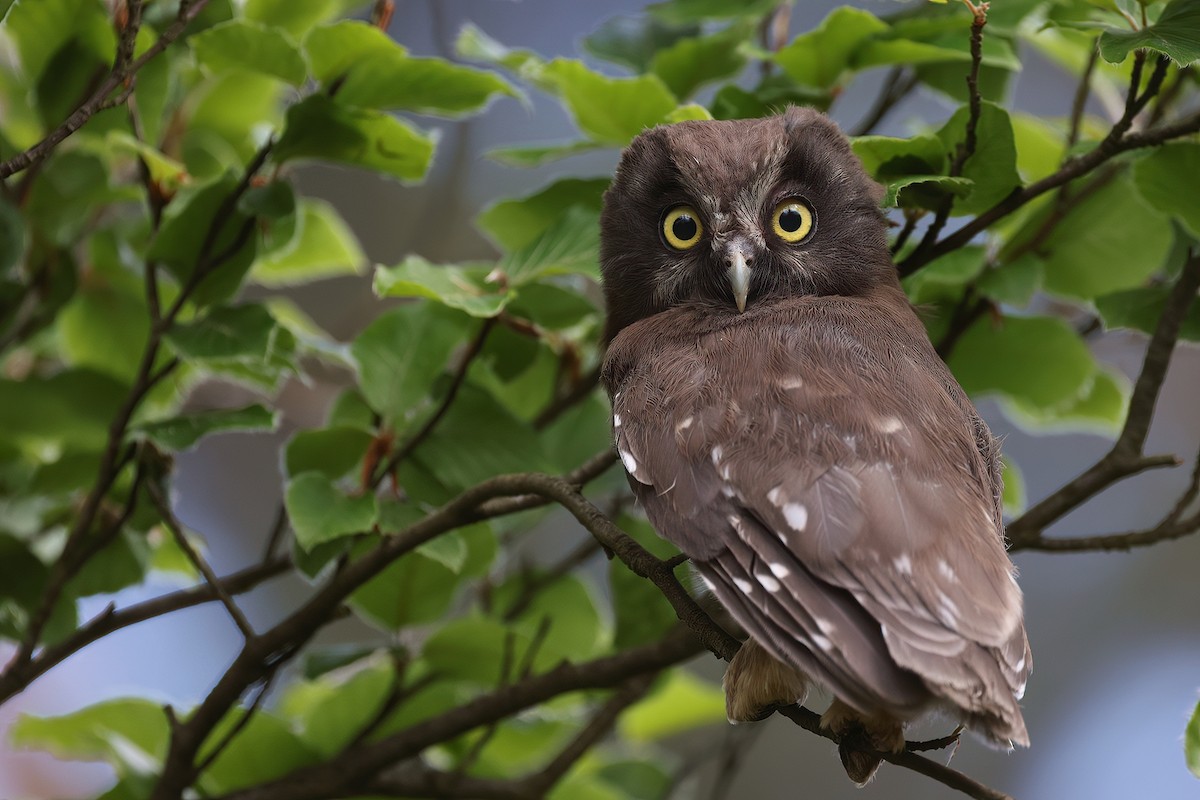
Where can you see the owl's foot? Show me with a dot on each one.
(756, 684)
(860, 737)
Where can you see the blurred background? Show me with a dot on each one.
(1116, 637)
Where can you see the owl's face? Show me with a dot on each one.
(733, 213)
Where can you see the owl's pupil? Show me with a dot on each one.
(790, 220)
(684, 228)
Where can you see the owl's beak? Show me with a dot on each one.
(739, 274)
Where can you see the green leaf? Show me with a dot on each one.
(1014, 283)
(1140, 309)
(478, 439)
(164, 170)
(1166, 176)
(274, 201)
(535, 155)
(643, 615)
(183, 432)
(377, 73)
(633, 41)
(1037, 360)
(241, 44)
(41, 28)
(690, 63)
(1040, 146)
(72, 407)
(681, 702)
(820, 57)
(1013, 497)
(512, 224)
(104, 326)
(681, 12)
(687, 113)
(568, 246)
(332, 451)
(474, 44)
(342, 705)
(1111, 240)
(449, 549)
(321, 246)
(401, 353)
(226, 332)
(1176, 33)
(179, 245)
(887, 157)
(925, 191)
(12, 236)
(107, 731)
(117, 565)
(265, 749)
(1191, 742)
(472, 649)
(993, 165)
(296, 17)
(551, 306)
(573, 627)
(610, 110)
(943, 278)
(320, 512)
(1099, 409)
(464, 288)
(321, 128)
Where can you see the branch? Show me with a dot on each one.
(896, 87)
(460, 375)
(565, 402)
(354, 768)
(1116, 142)
(966, 148)
(1079, 103)
(16, 678)
(1126, 456)
(101, 99)
(173, 525)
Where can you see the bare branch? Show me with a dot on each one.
(176, 529)
(16, 678)
(1126, 456)
(101, 98)
(896, 86)
(1082, 92)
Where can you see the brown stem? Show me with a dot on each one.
(100, 99)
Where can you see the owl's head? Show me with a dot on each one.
(728, 214)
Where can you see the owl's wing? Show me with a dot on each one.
(835, 496)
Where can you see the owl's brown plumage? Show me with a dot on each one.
(812, 454)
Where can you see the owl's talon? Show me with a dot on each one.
(860, 738)
(756, 684)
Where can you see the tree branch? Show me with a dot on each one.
(460, 375)
(101, 98)
(176, 529)
(966, 148)
(1126, 456)
(1118, 141)
(896, 86)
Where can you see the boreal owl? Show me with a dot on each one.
(785, 421)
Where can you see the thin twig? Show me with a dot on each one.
(966, 148)
(896, 86)
(101, 98)
(456, 382)
(173, 525)
(1079, 102)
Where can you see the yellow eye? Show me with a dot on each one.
(681, 227)
(793, 220)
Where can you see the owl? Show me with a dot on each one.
(785, 421)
